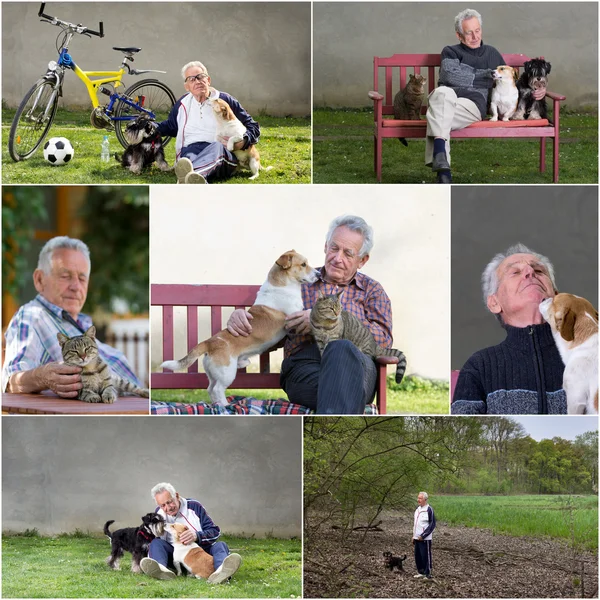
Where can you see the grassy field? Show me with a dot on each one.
(523, 515)
(284, 144)
(413, 396)
(73, 566)
(343, 153)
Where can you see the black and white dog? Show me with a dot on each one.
(133, 539)
(534, 77)
(391, 561)
(145, 146)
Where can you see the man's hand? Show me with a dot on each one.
(239, 323)
(299, 322)
(539, 94)
(62, 379)
(187, 537)
(239, 145)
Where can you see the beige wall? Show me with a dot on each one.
(347, 35)
(222, 235)
(258, 52)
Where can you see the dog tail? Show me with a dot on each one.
(403, 141)
(118, 157)
(186, 361)
(266, 168)
(106, 531)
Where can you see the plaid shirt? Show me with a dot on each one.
(364, 297)
(31, 341)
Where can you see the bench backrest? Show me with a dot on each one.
(394, 71)
(216, 297)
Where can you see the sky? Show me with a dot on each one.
(566, 427)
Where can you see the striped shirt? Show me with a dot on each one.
(364, 297)
(31, 341)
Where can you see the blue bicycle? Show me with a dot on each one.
(37, 110)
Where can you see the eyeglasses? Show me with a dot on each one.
(198, 77)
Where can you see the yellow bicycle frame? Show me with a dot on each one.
(92, 86)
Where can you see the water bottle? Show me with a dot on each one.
(105, 153)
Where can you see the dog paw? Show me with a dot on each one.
(493, 118)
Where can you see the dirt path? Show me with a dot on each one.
(467, 563)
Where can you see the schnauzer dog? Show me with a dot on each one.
(133, 539)
(145, 146)
(534, 77)
(391, 561)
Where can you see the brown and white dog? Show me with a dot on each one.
(198, 562)
(505, 94)
(279, 296)
(230, 130)
(574, 323)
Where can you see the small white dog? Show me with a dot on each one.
(195, 560)
(505, 94)
(574, 323)
(230, 130)
(279, 296)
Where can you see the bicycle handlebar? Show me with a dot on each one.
(77, 28)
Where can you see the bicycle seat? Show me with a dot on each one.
(128, 50)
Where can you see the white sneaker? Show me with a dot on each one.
(155, 569)
(183, 167)
(229, 566)
(418, 576)
(194, 177)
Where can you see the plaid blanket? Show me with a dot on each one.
(238, 405)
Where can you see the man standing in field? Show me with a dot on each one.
(422, 534)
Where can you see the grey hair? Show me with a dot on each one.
(424, 494)
(463, 15)
(353, 223)
(162, 487)
(489, 277)
(56, 243)
(194, 63)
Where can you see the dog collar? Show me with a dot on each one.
(144, 535)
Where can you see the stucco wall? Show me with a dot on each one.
(348, 35)
(258, 52)
(204, 237)
(63, 473)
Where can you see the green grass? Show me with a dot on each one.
(413, 396)
(343, 153)
(523, 515)
(73, 566)
(284, 144)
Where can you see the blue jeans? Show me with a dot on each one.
(162, 552)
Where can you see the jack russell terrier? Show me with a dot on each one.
(574, 323)
(230, 130)
(279, 296)
(505, 94)
(198, 562)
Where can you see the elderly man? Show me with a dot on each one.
(200, 157)
(200, 529)
(33, 357)
(464, 82)
(424, 525)
(523, 374)
(343, 380)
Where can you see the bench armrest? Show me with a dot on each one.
(554, 96)
(387, 360)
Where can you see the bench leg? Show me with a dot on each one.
(555, 156)
(378, 150)
(542, 155)
(381, 390)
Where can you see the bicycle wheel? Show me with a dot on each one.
(153, 96)
(32, 120)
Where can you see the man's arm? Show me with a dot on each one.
(210, 532)
(64, 380)
(429, 529)
(170, 127)
(456, 74)
(378, 312)
(469, 394)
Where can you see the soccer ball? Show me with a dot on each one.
(58, 151)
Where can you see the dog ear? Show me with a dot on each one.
(515, 74)
(566, 325)
(548, 67)
(285, 260)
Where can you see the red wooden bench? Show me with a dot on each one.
(396, 69)
(218, 297)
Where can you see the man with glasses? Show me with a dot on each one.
(200, 157)
(33, 359)
(200, 529)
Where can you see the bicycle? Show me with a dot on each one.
(37, 110)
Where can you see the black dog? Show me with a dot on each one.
(134, 539)
(145, 146)
(534, 77)
(392, 561)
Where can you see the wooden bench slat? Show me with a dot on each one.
(192, 333)
(167, 324)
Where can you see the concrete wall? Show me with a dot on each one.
(63, 473)
(348, 35)
(560, 222)
(222, 236)
(258, 52)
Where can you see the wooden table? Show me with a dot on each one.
(48, 403)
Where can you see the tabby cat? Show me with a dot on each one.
(329, 322)
(99, 384)
(407, 102)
